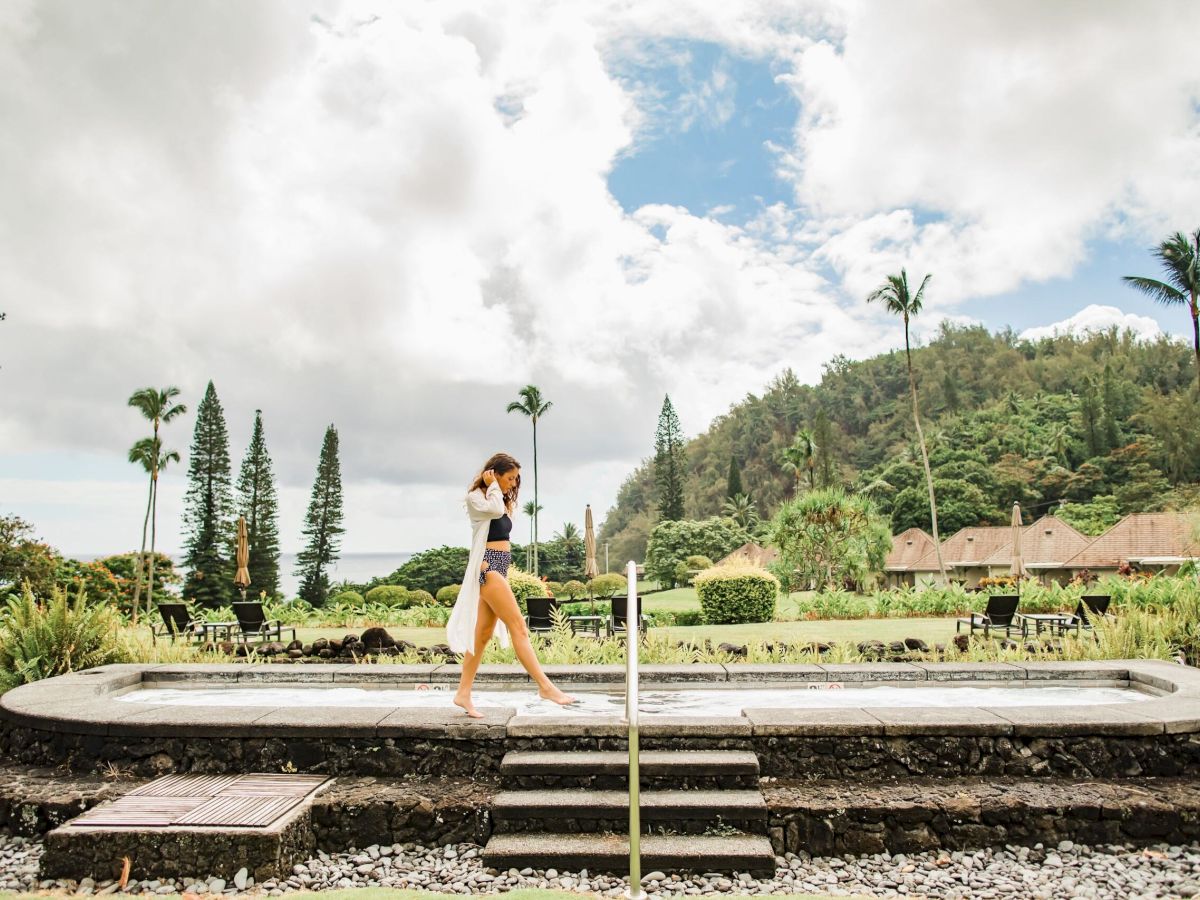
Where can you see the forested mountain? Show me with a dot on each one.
(1063, 419)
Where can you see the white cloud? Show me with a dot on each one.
(1096, 318)
(392, 217)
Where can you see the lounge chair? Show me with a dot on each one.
(1090, 606)
(541, 614)
(177, 621)
(617, 618)
(999, 615)
(253, 623)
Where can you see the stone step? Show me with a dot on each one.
(610, 853)
(609, 769)
(584, 810)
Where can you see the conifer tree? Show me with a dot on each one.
(208, 508)
(257, 500)
(669, 463)
(733, 486)
(322, 524)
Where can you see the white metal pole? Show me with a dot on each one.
(632, 640)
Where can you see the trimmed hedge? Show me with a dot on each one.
(609, 583)
(392, 595)
(447, 595)
(420, 598)
(348, 598)
(574, 589)
(731, 595)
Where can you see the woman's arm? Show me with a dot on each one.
(491, 502)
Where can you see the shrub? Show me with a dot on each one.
(604, 585)
(673, 542)
(525, 586)
(392, 595)
(349, 598)
(733, 594)
(41, 640)
(420, 598)
(689, 617)
(574, 589)
(699, 563)
(555, 587)
(447, 595)
(430, 570)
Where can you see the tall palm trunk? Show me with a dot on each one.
(153, 518)
(536, 507)
(141, 560)
(912, 386)
(1196, 336)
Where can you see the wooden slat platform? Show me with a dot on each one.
(230, 801)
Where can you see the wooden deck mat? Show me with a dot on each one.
(232, 801)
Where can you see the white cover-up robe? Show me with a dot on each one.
(482, 507)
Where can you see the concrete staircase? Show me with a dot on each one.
(701, 810)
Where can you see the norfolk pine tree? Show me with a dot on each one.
(258, 502)
(208, 508)
(669, 463)
(322, 524)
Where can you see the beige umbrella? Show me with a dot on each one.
(241, 580)
(1017, 569)
(590, 569)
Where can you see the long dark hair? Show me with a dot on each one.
(500, 463)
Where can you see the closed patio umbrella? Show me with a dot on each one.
(590, 569)
(1017, 568)
(241, 580)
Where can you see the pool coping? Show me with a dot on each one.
(84, 703)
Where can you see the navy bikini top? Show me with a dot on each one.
(500, 528)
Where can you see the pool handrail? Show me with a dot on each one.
(632, 639)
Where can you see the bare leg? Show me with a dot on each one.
(485, 624)
(497, 594)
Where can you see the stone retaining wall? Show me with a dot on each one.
(916, 816)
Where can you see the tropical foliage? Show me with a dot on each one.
(672, 542)
(830, 539)
(1062, 419)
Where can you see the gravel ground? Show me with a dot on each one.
(1067, 871)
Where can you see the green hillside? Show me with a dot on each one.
(1063, 419)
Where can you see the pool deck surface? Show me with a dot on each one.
(86, 702)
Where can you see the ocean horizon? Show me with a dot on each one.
(357, 567)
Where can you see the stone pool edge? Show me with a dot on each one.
(83, 703)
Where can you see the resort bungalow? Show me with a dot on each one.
(1149, 542)
(1046, 545)
(965, 555)
(908, 547)
(752, 554)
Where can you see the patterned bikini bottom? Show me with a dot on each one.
(498, 561)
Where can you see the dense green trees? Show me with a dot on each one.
(1041, 454)
(322, 524)
(829, 538)
(257, 500)
(208, 508)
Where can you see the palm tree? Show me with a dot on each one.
(1180, 256)
(802, 456)
(149, 454)
(742, 510)
(898, 300)
(534, 406)
(156, 405)
(1059, 437)
(531, 510)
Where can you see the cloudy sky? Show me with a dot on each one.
(392, 216)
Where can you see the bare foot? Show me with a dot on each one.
(465, 704)
(554, 695)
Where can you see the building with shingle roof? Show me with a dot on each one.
(1046, 545)
(908, 547)
(1159, 542)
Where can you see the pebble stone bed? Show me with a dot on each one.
(1069, 870)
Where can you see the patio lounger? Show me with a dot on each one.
(617, 618)
(1090, 606)
(1000, 614)
(177, 621)
(540, 617)
(252, 622)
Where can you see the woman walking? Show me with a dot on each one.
(485, 601)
